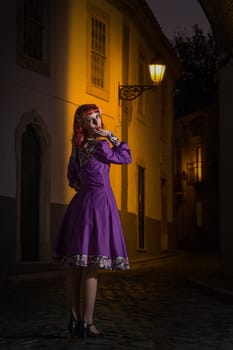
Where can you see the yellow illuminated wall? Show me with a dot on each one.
(50, 97)
(143, 129)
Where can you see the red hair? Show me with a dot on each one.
(79, 134)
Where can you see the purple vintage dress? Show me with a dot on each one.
(91, 231)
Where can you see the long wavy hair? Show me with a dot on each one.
(79, 133)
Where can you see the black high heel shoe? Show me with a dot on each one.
(75, 327)
(87, 332)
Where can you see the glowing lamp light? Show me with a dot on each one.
(131, 92)
(157, 72)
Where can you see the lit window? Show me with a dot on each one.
(195, 168)
(97, 53)
(198, 164)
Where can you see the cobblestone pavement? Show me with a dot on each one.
(151, 306)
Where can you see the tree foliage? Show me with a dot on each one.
(197, 85)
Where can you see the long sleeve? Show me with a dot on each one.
(117, 154)
(72, 174)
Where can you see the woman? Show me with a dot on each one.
(90, 236)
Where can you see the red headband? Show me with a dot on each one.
(78, 136)
(84, 108)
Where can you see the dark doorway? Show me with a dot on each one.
(141, 207)
(164, 221)
(30, 195)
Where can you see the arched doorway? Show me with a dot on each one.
(33, 189)
(29, 204)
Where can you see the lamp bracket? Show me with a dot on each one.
(131, 92)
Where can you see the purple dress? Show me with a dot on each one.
(91, 231)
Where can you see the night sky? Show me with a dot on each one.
(173, 15)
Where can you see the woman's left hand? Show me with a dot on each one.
(103, 133)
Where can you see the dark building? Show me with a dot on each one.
(197, 179)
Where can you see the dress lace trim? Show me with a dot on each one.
(84, 153)
(102, 262)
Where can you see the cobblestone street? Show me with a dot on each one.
(151, 306)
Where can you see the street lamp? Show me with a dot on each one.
(131, 92)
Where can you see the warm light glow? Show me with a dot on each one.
(198, 165)
(157, 72)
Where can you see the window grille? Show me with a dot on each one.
(33, 35)
(98, 53)
(195, 168)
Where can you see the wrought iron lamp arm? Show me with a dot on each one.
(131, 92)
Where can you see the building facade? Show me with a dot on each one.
(220, 15)
(197, 180)
(58, 55)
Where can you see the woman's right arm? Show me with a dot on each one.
(72, 174)
(117, 154)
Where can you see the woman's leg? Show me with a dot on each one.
(89, 290)
(74, 283)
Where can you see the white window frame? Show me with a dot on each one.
(24, 59)
(92, 88)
